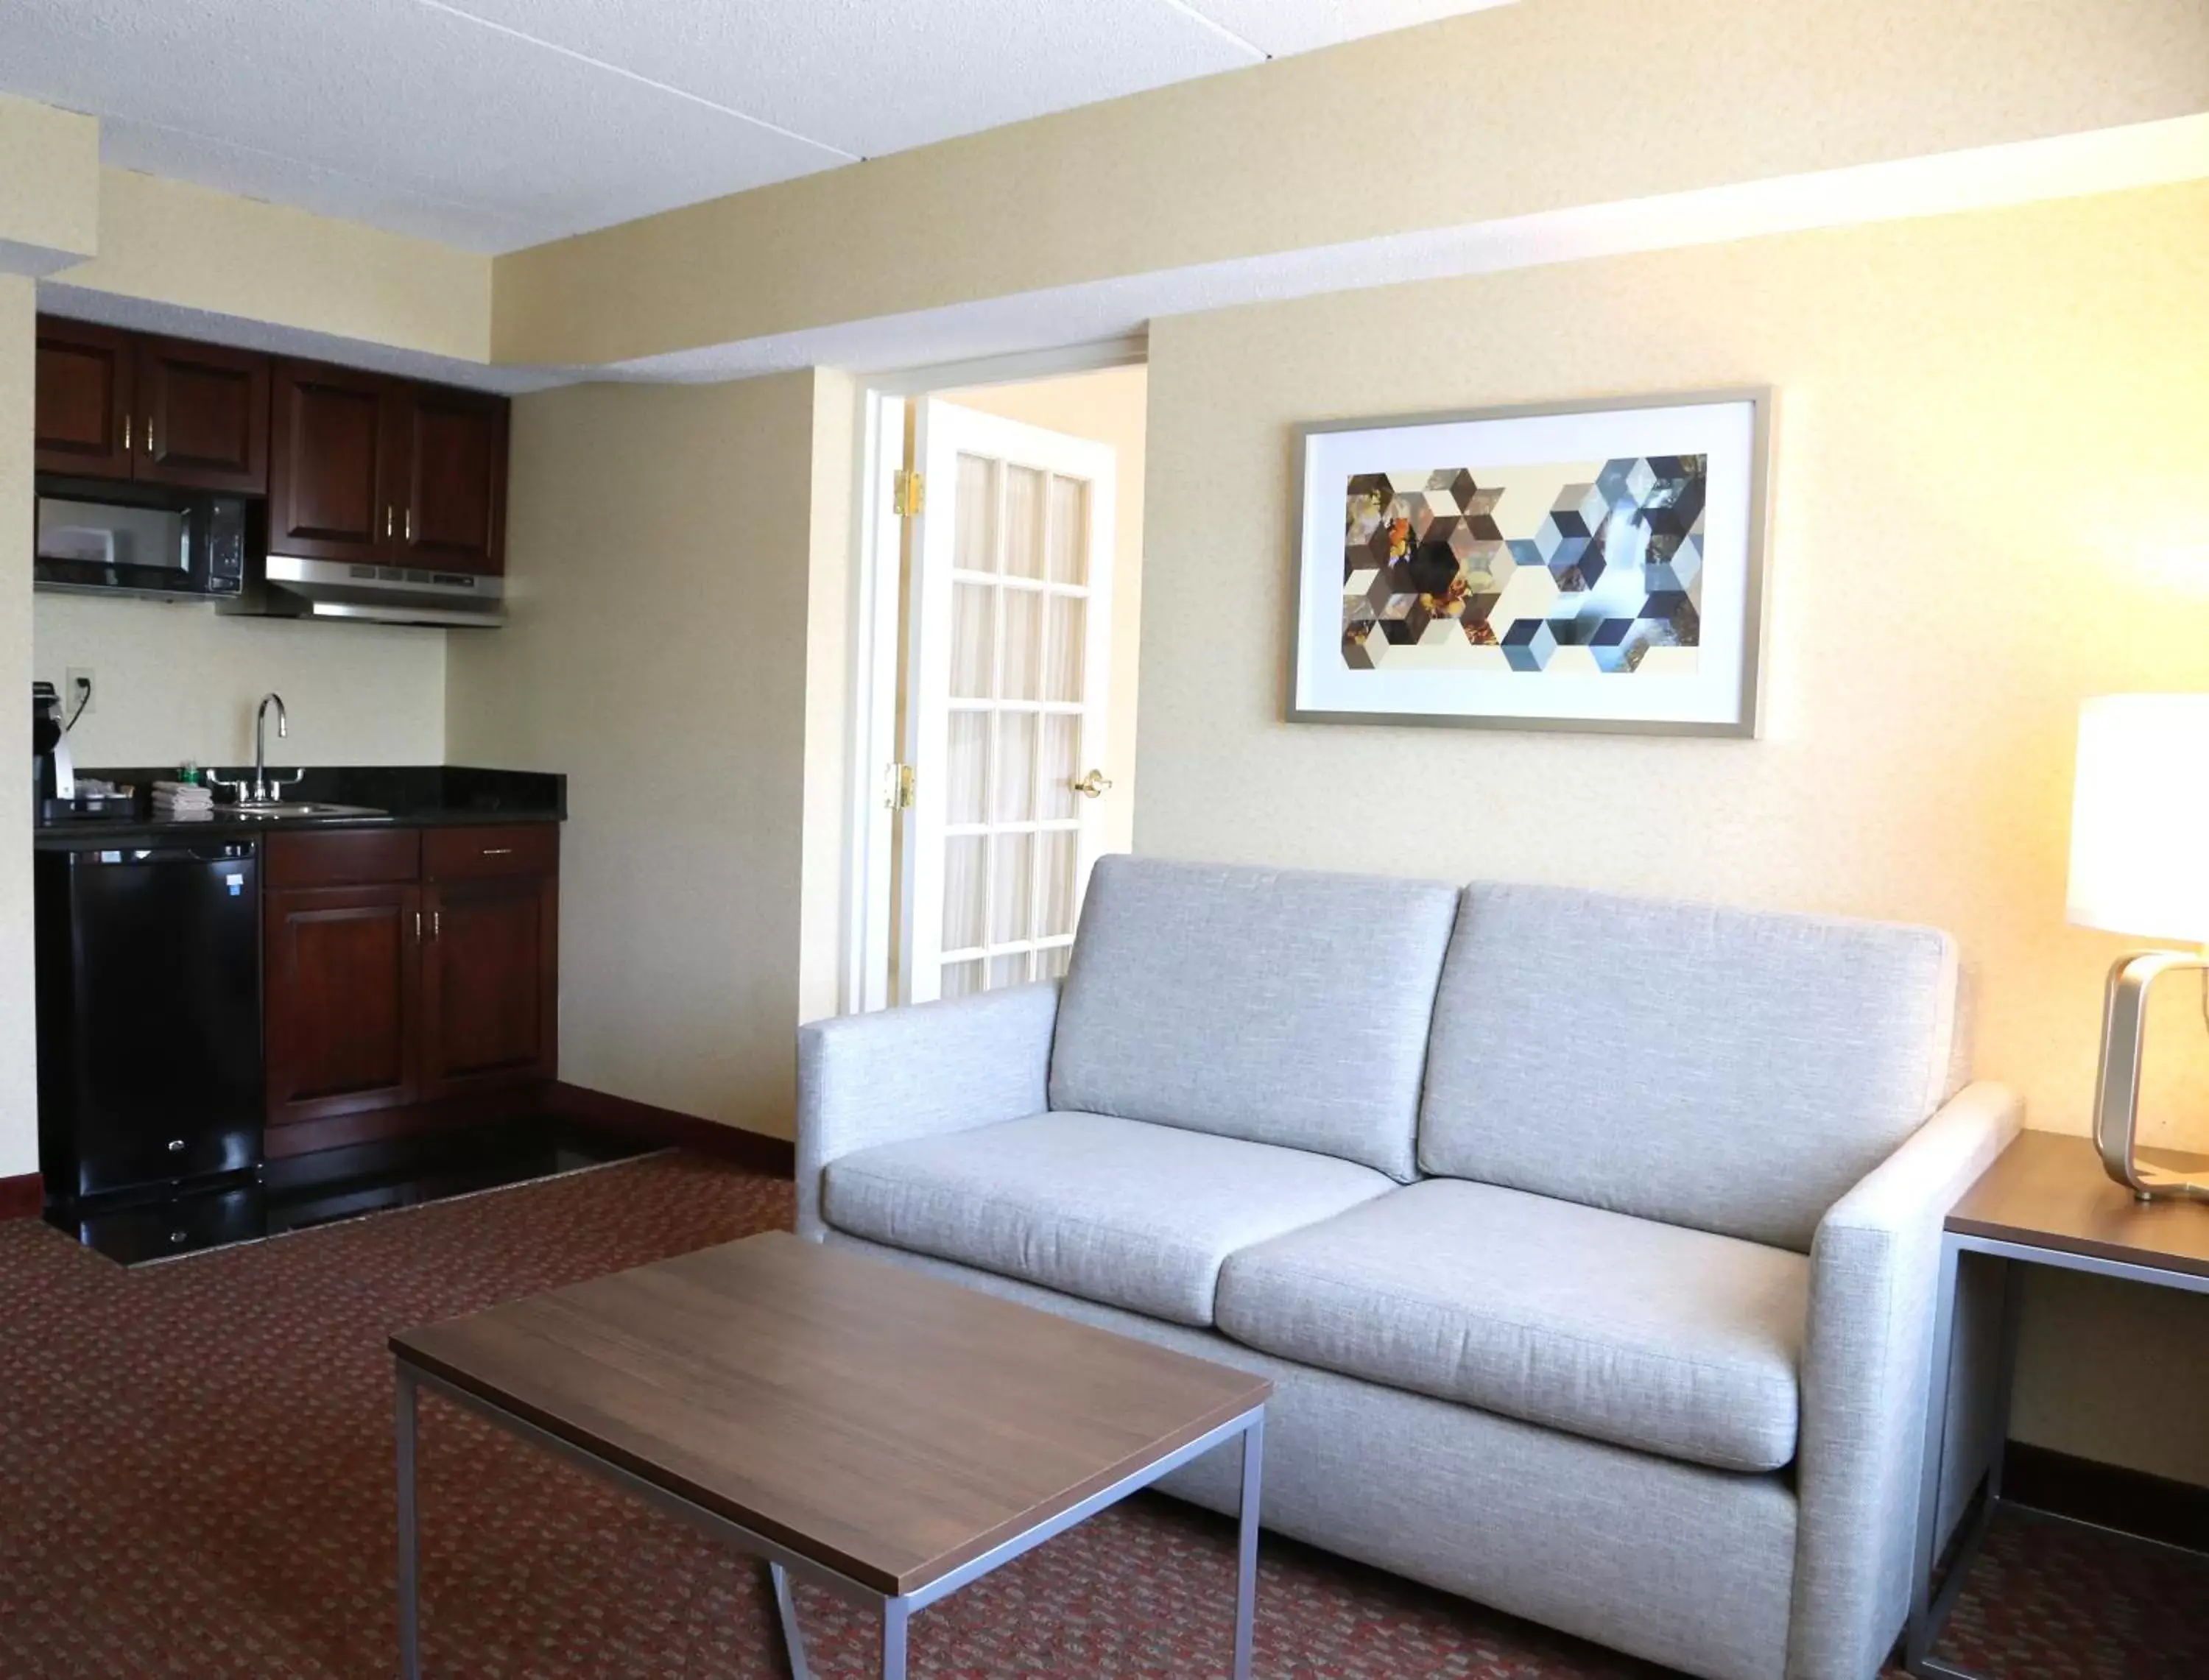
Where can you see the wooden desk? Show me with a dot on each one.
(2045, 1202)
(890, 1436)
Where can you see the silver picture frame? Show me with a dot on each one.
(1747, 721)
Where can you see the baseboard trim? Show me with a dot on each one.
(775, 1156)
(22, 1198)
(388, 1124)
(2155, 1507)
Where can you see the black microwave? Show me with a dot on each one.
(97, 538)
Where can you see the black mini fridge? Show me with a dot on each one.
(149, 1018)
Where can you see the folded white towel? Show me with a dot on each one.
(183, 793)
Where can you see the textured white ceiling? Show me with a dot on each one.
(497, 123)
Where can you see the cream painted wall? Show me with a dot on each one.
(49, 184)
(19, 1096)
(1106, 406)
(1546, 106)
(1993, 450)
(659, 547)
(169, 242)
(176, 681)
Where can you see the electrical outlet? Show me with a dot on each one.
(80, 691)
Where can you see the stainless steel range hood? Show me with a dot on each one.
(297, 588)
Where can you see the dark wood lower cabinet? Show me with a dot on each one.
(397, 1001)
(341, 978)
(490, 983)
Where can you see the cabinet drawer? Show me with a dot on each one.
(512, 848)
(348, 858)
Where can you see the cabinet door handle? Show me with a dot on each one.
(126, 433)
(150, 434)
(418, 927)
(437, 924)
(499, 852)
(410, 525)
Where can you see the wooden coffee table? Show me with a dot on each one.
(890, 1436)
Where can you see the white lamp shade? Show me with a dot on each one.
(2140, 817)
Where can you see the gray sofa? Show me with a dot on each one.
(1590, 1241)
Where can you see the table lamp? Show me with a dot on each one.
(2139, 865)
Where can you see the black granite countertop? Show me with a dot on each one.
(414, 796)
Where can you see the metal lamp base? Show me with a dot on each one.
(2117, 1086)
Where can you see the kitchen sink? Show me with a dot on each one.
(273, 808)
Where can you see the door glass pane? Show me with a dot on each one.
(1023, 675)
(1063, 657)
(961, 980)
(963, 858)
(965, 776)
(973, 546)
(1010, 912)
(1069, 531)
(1024, 493)
(1051, 964)
(1061, 736)
(1055, 863)
(1009, 971)
(972, 643)
(1016, 745)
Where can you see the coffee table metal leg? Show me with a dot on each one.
(894, 1612)
(1246, 1573)
(410, 1561)
(793, 1636)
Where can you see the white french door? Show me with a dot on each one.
(1010, 666)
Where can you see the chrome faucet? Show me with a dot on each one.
(260, 788)
(264, 792)
(264, 789)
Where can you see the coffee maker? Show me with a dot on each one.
(53, 775)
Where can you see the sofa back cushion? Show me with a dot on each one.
(1720, 1069)
(1280, 1006)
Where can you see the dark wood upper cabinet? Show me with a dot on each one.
(204, 416)
(453, 465)
(386, 471)
(116, 405)
(357, 466)
(330, 443)
(86, 418)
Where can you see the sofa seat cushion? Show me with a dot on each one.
(1118, 1211)
(1656, 1337)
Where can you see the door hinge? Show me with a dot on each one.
(900, 794)
(909, 493)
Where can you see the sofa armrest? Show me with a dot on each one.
(1874, 1269)
(916, 1072)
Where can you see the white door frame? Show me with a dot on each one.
(877, 580)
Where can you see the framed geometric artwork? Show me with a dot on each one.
(1592, 566)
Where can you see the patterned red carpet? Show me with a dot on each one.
(196, 1482)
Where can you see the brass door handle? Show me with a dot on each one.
(1093, 785)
